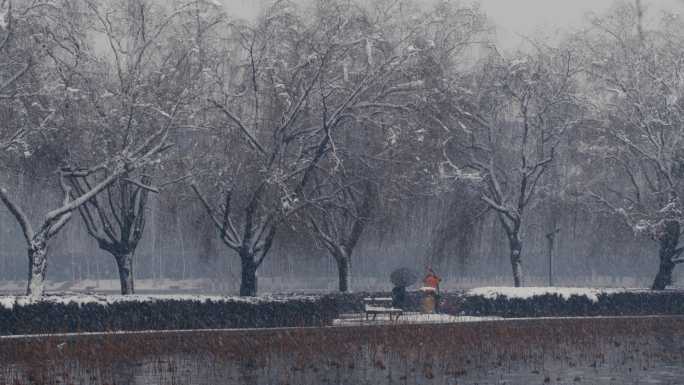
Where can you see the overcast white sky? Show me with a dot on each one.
(525, 17)
(516, 17)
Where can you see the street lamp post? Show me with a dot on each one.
(550, 237)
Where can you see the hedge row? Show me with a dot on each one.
(554, 305)
(545, 305)
(163, 314)
(57, 315)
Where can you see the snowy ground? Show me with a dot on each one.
(284, 284)
(563, 292)
(406, 318)
(112, 286)
(9, 302)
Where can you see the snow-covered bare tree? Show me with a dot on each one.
(37, 240)
(505, 132)
(298, 82)
(81, 133)
(390, 146)
(148, 83)
(22, 33)
(634, 69)
(339, 219)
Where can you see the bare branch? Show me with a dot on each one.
(227, 238)
(251, 139)
(18, 214)
(141, 185)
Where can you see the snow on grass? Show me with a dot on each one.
(529, 292)
(408, 318)
(8, 302)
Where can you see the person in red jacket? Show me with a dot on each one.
(432, 280)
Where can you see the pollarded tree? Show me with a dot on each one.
(38, 239)
(116, 219)
(507, 138)
(636, 82)
(155, 68)
(77, 135)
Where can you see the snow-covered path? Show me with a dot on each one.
(407, 318)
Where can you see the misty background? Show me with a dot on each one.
(515, 21)
(448, 230)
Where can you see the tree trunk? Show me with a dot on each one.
(124, 262)
(248, 282)
(516, 258)
(343, 270)
(668, 247)
(37, 256)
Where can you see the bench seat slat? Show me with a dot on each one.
(378, 299)
(378, 309)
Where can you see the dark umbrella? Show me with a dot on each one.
(403, 277)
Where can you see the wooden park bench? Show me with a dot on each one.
(380, 305)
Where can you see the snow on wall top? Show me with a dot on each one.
(529, 292)
(8, 302)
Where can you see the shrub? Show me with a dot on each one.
(58, 314)
(608, 303)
